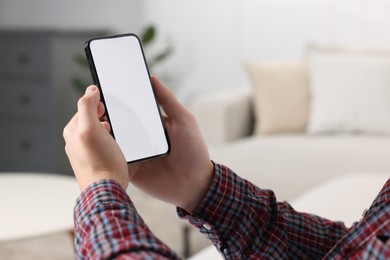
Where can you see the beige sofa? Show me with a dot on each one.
(314, 131)
(288, 163)
(302, 123)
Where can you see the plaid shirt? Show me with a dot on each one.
(242, 220)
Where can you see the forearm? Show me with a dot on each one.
(107, 225)
(243, 220)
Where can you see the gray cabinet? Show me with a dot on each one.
(37, 98)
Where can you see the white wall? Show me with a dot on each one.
(213, 37)
(117, 15)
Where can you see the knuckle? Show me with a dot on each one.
(65, 133)
(85, 134)
(84, 100)
(191, 118)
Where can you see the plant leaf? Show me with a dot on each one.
(161, 56)
(79, 85)
(81, 60)
(148, 35)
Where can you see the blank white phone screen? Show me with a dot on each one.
(131, 106)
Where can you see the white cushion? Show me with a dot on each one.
(350, 91)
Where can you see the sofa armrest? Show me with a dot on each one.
(223, 116)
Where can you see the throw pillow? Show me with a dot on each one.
(281, 96)
(350, 91)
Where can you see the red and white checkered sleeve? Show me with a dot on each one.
(108, 226)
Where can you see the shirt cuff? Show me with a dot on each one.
(99, 193)
(220, 208)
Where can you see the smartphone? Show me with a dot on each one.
(118, 67)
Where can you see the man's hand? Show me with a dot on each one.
(92, 152)
(184, 176)
(181, 178)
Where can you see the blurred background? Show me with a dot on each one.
(203, 46)
(209, 40)
(212, 38)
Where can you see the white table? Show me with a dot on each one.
(33, 204)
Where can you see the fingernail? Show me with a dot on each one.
(90, 89)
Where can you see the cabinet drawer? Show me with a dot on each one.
(24, 59)
(26, 144)
(25, 99)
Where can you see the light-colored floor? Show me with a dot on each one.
(57, 246)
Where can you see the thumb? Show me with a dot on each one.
(88, 108)
(167, 100)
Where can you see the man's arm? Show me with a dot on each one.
(107, 226)
(243, 220)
